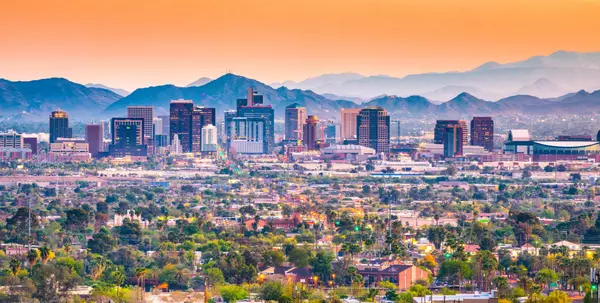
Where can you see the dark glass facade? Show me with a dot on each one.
(201, 116)
(482, 132)
(440, 130)
(181, 123)
(59, 126)
(373, 129)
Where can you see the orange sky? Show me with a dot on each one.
(129, 44)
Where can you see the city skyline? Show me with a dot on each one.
(129, 45)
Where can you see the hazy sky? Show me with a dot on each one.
(130, 44)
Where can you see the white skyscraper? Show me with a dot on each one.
(176, 146)
(158, 126)
(209, 138)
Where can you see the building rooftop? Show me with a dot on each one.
(519, 135)
(566, 144)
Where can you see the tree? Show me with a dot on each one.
(271, 291)
(46, 254)
(273, 258)
(321, 265)
(545, 275)
(233, 293)
(33, 256)
(15, 266)
(299, 257)
(558, 296)
(430, 263)
(215, 276)
(77, 219)
(117, 278)
(102, 242)
(487, 243)
(130, 232)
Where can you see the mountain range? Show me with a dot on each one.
(563, 71)
(34, 100)
(222, 93)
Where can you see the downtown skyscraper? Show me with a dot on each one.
(373, 129)
(253, 109)
(181, 123)
(59, 126)
(440, 130)
(201, 117)
(295, 117)
(482, 132)
(310, 133)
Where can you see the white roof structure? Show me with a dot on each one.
(348, 149)
(519, 135)
(567, 144)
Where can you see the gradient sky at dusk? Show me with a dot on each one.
(130, 44)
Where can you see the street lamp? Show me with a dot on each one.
(315, 280)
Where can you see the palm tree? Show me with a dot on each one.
(118, 278)
(140, 274)
(33, 256)
(46, 254)
(15, 266)
(98, 266)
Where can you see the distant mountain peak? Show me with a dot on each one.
(464, 96)
(118, 91)
(201, 81)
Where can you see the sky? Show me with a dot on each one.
(139, 43)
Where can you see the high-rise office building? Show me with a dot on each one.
(482, 132)
(255, 109)
(248, 135)
(180, 120)
(228, 116)
(94, 136)
(59, 126)
(453, 141)
(146, 113)
(309, 133)
(373, 129)
(440, 130)
(127, 137)
(252, 99)
(165, 125)
(209, 138)
(348, 125)
(176, 146)
(295, 116)
(201, 117)
(157, 124)
(330, 133)
(11, 139)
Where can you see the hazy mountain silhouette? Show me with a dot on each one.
(320, 82)
(36, 99)
(570, 71)
(222, 93)
(33, 100)
(200, 82)
(118, 91)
